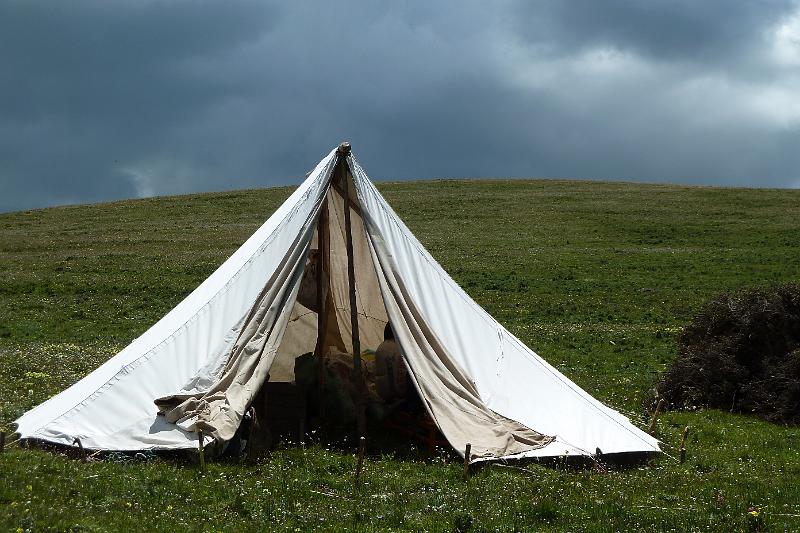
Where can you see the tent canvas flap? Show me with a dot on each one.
(449, 395)
(509, 378)
(112, 407)
(218, 411)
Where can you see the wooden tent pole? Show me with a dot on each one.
(653, 422)
(201, 450)
(343, 152)
(322, 304)
(467, 452)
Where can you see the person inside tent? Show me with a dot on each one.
(390, 371)
(385, 378)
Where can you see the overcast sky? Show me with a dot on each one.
(104, 100)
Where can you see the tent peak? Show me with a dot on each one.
(344, 149)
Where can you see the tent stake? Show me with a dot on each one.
(362, 446)
(344, 151)
(2, 441)
(466, 461)
(201, 450)
(683, 444)
(598, 466)
(301, 430)
(657, 412)
(80, 445)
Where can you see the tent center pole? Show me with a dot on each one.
(343, 152)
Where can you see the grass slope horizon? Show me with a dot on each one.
(596, 277)
(378, 182)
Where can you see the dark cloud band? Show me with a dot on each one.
(102, 101)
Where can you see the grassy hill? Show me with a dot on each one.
(596, 277)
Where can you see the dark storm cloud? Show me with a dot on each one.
(707, 30)
(88, 86)
(104, 100)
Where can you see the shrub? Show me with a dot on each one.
(741, 353)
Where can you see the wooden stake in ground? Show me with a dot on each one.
(201, 450)
(467, 452)
(683, 444)
(2, 441)
(362, 447)
(599, 466)
(80, 445)
(657, 412)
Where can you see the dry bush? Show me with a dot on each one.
(741, 353)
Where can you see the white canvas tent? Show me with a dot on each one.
(208, 357)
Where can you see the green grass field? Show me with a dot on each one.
(598, 278)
